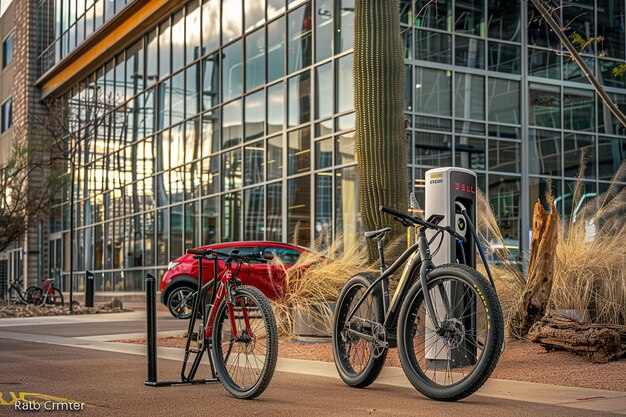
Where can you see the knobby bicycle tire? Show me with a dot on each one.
(490, 347)
(262, 312)
(343, 343)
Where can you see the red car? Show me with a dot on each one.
(181, 279)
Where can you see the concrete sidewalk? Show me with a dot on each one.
(553, 395)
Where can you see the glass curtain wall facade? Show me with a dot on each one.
(68, 23)
(234, 120)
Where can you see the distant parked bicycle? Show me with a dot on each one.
(48, 294)
(19, 296)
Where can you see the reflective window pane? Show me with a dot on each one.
(276, 49)
(255, 115)
(611, 154)
(323, 29)
(274, 157)
(210, 81)
(164, 49)
(504, 196)
(347, 221)
(504, 156)
(232, 124)
(469, 52)
(577, 149)
(469, 96)
(300, 39)
(345, 148)
(344, 25)
(231, 217)
(542, 63)
(345, 84)
(254, 163)
(323, 209)
(504, 58)
(210, 133)
(611, 27)
(254, 217)
(254, 13)
(434, 47)
(324, 91)
(232, 19)
(232, 83)
(578, 110)
(299, 210)
(469, 152)
(324, 153)
(210, 25)
(211, 175)
(299, 91)
(178, 40)
(544, 152)
(275, 108)
(255, 59)
(470, 17)
(504, 19)
(210, 221)
(275, 7)
(433, 91)
(299, 151)
(433, 149)
(192, 90)
(274, 221)
(192, 32)
(545, 106)
(503, 101)
(231, 170)
(433, 14)
(178, 97)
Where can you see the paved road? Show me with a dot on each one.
(111, 384)
(69, 357)
(130, 323)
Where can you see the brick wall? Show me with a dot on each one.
(27, 104)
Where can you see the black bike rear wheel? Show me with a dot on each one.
(245, 362)
(455, 361)
(358, 360)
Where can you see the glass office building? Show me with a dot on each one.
(233, 119)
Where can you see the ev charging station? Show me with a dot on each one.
(451, 192)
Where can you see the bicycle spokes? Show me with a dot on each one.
(448, 354)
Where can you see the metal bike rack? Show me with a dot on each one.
(151, 340)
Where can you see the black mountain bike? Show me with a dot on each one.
(18, 296)
(445, 320)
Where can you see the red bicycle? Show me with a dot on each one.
(238, 327)
(48, 294)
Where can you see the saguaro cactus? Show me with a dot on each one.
(380, 133)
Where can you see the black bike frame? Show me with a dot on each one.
(420, 261)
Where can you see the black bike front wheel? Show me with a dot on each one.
(245, 359)
(455, 360)
(359, 342)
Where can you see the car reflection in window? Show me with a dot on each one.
(286, 256)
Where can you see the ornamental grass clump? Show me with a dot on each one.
(312, 285)
(589, 268)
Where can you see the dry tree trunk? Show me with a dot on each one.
(600, 343)
(541, 267)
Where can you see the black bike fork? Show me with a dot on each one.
(426, 266)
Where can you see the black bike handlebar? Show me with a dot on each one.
(407, 218)
(212, 252)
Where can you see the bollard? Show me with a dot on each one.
(151, 343)
(89, 289)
